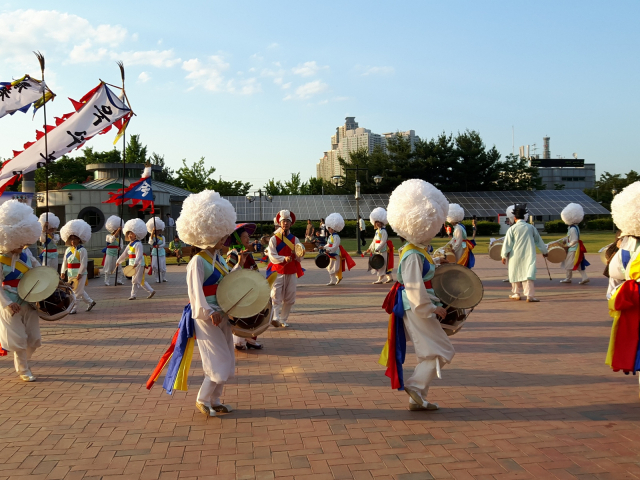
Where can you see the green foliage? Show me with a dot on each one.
(555, 226)
(135, 152)
(166, 174)
(196, 177)
(600, 224)
(451, 163)
(295, 186)
(608, 182)
(232, 188)
(484, 228)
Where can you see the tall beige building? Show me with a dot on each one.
(350, 138)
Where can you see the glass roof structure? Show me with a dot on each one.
(481, 204)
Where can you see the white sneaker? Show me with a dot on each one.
(378, 282)
(566, 280)
(106, 283)
(584, 282)
(331, 284)
(152, 294)
(515, 296)
(132, 298)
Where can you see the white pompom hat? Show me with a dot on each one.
(54, 221)
(18, 226)
(137, 227)
(625, 209)
(334, 221)
(416, 211)
(205, 219)
(159, 224)
(511, 215)
(572, 214)
(77, 227)
(456, 213)
(113, 223)
(378, 214)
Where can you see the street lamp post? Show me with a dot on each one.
(252, 198)
(338, 182)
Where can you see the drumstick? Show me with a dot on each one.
(241, 298)
(545, 262)
(21, 300)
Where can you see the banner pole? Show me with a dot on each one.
(40, 58)
(122, 240)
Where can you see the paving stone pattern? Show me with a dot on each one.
(527, 395)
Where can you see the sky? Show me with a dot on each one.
(258, 88)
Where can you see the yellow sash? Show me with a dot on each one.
(286, 241)
(217, 265)
(411, 246)
(21, 267)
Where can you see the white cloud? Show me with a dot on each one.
(364, 71)
(278, 81)
(308, 90)
(286, 85)
(144, 77)
(273, 45)
(308, 69)
(20, 30)
(154, 58)
(134, 37)
(210, 76)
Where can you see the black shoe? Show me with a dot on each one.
(240, 347)
(255, 346)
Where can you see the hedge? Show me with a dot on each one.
(600, 224)
(485, 228)
(555, 226)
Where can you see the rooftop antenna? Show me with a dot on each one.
(575, 155)
(513, 141)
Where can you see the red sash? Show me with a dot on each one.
(390, 261)
(210, 290)
(11, 283)
(289, 268)
(73, 265)
(347, 261)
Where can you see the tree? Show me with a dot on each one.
(229, 189)
(603, 191)
(516, 174)
(275, 188)
(476, 168)
(62, 172)
(295, 186)
(194, 178)
(166, 174)
(135, 152)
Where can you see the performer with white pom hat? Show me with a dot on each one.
(19, 322)
(339, 258)
(135, 230)
(74, 263)
(381, 245)
(459, 243)
(519, 248)
(206, 221)
(283, 269)
(572, 215)
(416, 212)
(49, 239)
(114, 246)
(624, 302)
(157, 242)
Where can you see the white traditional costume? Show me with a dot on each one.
(19, 332)
(158, 253)
(572, 215)
(624, 302)
(49, 254)
(460, 245)
(339, 258)
(381, 245)
(519, 248)
(115, 244)
(205, 219)
(74, 262)
(283, 275)
(134, 255)
(416, 212)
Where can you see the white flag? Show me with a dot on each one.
(20, 94)
(94, 114)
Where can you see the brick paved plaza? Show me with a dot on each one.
(527, 395)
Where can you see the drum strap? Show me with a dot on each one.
(21, 265)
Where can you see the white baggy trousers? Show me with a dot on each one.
(283, 296)
(20, 334)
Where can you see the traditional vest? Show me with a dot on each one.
(285, 247)
(73, 261)
(12, 277)
(378, 241)
(428, 269)
(330, 243)
(214, 271)
(155, 250)
(50, 250)
(132, 252)
(574, 247)
(112, 248)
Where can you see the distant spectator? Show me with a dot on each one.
(474, 226)
(363, 230)
(448, 228)
(308, 236)
(322, 232)
(175, 247)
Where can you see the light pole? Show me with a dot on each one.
(252, 198)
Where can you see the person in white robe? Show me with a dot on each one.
(115, 245)
(334, 224)
(157, 244)
(519, 248)
(49, 240)
(286, 265)
(572, 215)
(416, 211)
(378, 219)
(19, 321)
(74, 263)
(135, 230)
(206, 220)
(457, 242)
